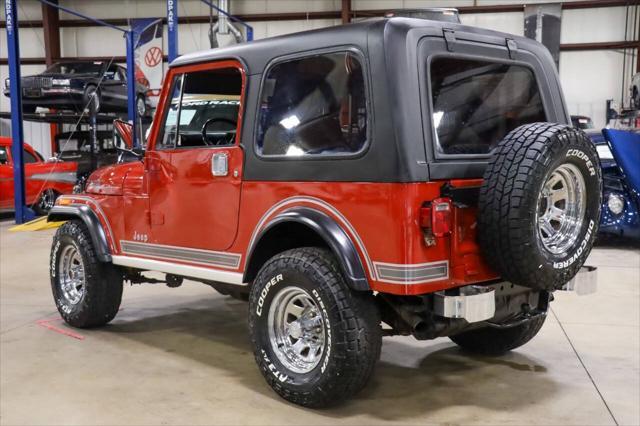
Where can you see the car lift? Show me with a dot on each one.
(22, 212)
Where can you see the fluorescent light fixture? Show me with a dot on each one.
(290, 122)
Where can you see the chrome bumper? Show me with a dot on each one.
(585, 282)
(475, 303)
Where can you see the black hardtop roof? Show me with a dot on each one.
(256, 54)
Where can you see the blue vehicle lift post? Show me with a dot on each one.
(22, 212)
(172, 28)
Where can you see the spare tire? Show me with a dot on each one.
(539, 205)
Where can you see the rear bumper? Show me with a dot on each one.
(585, 282)
(52, 97)
(477, 303)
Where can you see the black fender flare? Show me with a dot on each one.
(332, 234)
(90, 219)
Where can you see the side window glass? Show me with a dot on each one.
(28, 157)
(209, 108)
(111, 73)
(4, 158)
(167, 136)
(313, 106)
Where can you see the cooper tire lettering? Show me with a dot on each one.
(584, 157)
(265, 292)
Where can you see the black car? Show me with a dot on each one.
(72, 85)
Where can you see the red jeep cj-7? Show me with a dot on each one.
(395, 176)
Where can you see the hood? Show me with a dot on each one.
(107, 180)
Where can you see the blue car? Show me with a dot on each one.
(619, 152)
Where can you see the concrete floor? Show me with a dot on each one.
(182, 356)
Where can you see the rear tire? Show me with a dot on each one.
(539, 205)
(495, 341)
(86, 291)
(315, 340)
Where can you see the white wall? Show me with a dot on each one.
(589, 78)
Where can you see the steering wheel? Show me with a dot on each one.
(222, 120)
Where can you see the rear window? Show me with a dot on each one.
(476, 103)
(313, 106)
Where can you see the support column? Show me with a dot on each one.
(22, 212)
(51, 31)
(172, 28)
(346, 11)
(131, 87)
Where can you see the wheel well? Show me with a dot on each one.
(281, 237)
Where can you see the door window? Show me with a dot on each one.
(167, 136)
(314, 106)
(209, 108)
(29, 157)
(476, 103)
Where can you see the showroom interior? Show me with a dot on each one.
(402, 187)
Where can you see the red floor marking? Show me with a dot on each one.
(46, 324)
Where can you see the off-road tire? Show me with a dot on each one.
(508, 204)
(495, 341)
(353, 344)
(103, 281)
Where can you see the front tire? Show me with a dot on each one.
(86, 292)
(495, 341)
(315, 340)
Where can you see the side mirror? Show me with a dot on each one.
(123, 140)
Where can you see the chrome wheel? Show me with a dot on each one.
(296, 330)
(561, 208)
(47, 200)
(71, 274)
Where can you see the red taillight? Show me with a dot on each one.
(441, 212)
(436, 218)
